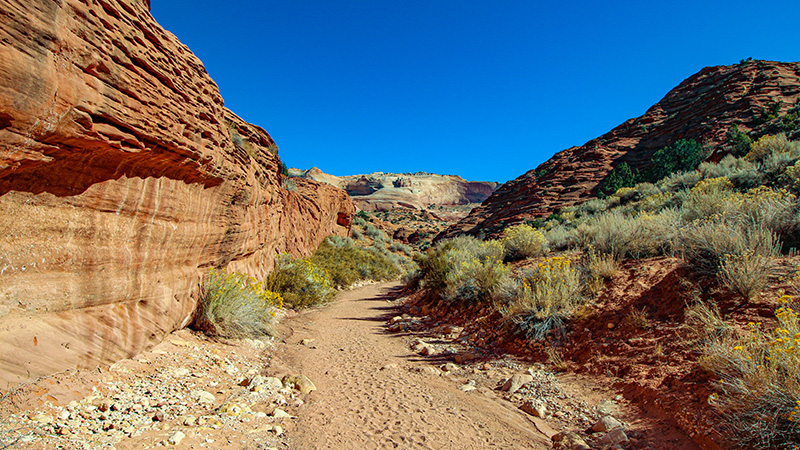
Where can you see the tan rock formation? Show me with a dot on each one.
(386, 191)
(701, 108)
(122, 180)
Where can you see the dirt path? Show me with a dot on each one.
(374, 392)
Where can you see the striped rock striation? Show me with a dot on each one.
(123, 179)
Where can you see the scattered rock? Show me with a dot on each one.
(467, 387)
(536, 409)
(516, 381)
(607, 408)
(427, 350)
(280, 414)
(176, 438)
(307, 342)
(606, 423)
(299, 382)
(613, 437)
(461, 358)
(204, 396)
(568, 440)
(449, 367)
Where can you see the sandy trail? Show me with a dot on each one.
(371, 397)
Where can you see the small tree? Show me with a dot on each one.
(622, 176)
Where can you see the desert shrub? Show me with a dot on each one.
(727, 166)
(653, 234)
(705, 322)
(300, 282)
(759, 384)
(746, 273)
(705, 244)
(706, 199)
(683, 155)
(679, 181)
(591, 207)
(235, 305)
(545, 298)
(356, 234)
(771, 145)
(656, 202)
(608, 233)
(776, 210)
(639, 236)
(345, 263)
(360, 220)
(522, 242)
(399, 247)
(375, 234)
(560, 237)
(464, 269)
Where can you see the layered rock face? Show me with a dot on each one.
(386, 191)
(123, 179)
(701, 108)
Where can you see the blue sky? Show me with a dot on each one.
(485, 90)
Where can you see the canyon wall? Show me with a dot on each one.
(702, 108)
(123, 179)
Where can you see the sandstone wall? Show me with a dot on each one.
(122, 180)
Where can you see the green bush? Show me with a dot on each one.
(522, 242)
(464, 270)
(345, 263)
(683, 155)
(737, 142)
(235, 305)
(300, 282)
(619, 177)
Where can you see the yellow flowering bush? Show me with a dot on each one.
(523, 241)
(300, 282)
(759, 382)
(545, 297)
(236, 305)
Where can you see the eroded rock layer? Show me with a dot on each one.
(387, 191)
(702, 108)
(122, 180)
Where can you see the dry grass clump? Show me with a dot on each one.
(545, 297)
(759, 383)
(707, 244)
(234, 305)
(746, 274)
(522, 242)
(637, 319)
(300, 282)
(600, 265)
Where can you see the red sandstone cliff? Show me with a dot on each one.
(700, 108)
(122, 180)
